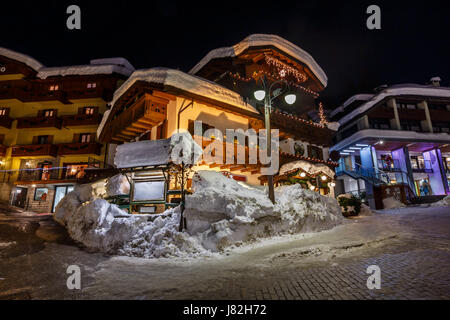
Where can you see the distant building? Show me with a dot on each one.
(395, 142)
(48, 122)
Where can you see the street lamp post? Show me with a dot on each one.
(268, 96)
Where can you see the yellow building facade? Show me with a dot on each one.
(48, 123)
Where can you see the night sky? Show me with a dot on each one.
(412, 46)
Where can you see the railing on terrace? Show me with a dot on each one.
(421, 166)
(392, 165)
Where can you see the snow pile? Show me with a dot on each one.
(161, 238)
(365, 211)
(117, 185)
(101, 226)
(392, 203)
(310, 168)
(222, 212)
(442, 203)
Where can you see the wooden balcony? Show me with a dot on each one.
(81, 120)
(147, 112)
(39, 122)
(34, 150)
(3, 150)
(6, 121)
(79, 148)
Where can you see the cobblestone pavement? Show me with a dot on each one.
(410, 246)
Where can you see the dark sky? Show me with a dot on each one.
(412, 46)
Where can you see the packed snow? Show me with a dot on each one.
(83, 70)
(260, 40)
(442, 203)
(392, 203)
(220, 213)
(310, 168)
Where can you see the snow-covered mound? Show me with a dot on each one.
(117, 185)
(224, 212)
(392, 203)
(442, 203)
(219, 213)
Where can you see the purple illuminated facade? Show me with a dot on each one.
(397, 136)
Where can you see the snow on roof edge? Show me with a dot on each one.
(87, 69)
(25, 59)
(396, 91)
(256, 40)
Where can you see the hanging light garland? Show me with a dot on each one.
(284, 69)
(323, 119)
(260, 73)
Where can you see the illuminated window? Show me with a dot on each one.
(4, 111)
(88, 110)
(85, 137)
(91, 85)
(54, 87)
(48, 113)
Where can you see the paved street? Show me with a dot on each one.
(411, 247)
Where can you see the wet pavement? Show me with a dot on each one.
(411, 246)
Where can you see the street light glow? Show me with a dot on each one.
(324, 178)
(290, 98)
(259, 95)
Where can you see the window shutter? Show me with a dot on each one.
(80, 111)
(35, 140)
(50, 139)
(92, 138)
(2, 138)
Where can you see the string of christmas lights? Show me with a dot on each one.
(256, 75)
(323, 119)
(284, 69)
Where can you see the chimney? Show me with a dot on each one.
(435, 81)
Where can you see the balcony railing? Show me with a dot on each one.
(3, 150)
(392, 165)
(421, 166)
(141, 116)
(39, 122)
(34, 150)
(6, 121)
(79, 148)
(60, 174)
(81, 120)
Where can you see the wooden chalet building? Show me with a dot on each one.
(155, 103)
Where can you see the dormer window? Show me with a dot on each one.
(91, 85)
(54, 87)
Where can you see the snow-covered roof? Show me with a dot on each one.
(96, 66)
(179, 148)
(186, 82)
(260, 40)
(393, 135)
(397, 90)
(89, 69)
(118, 61)
(29, 61)
(142, 154)
(360, 97)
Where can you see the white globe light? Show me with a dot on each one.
(324, 178)
(302, 174)
(290, 98)
(312, 188)
(332, 184)
(259, 95)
